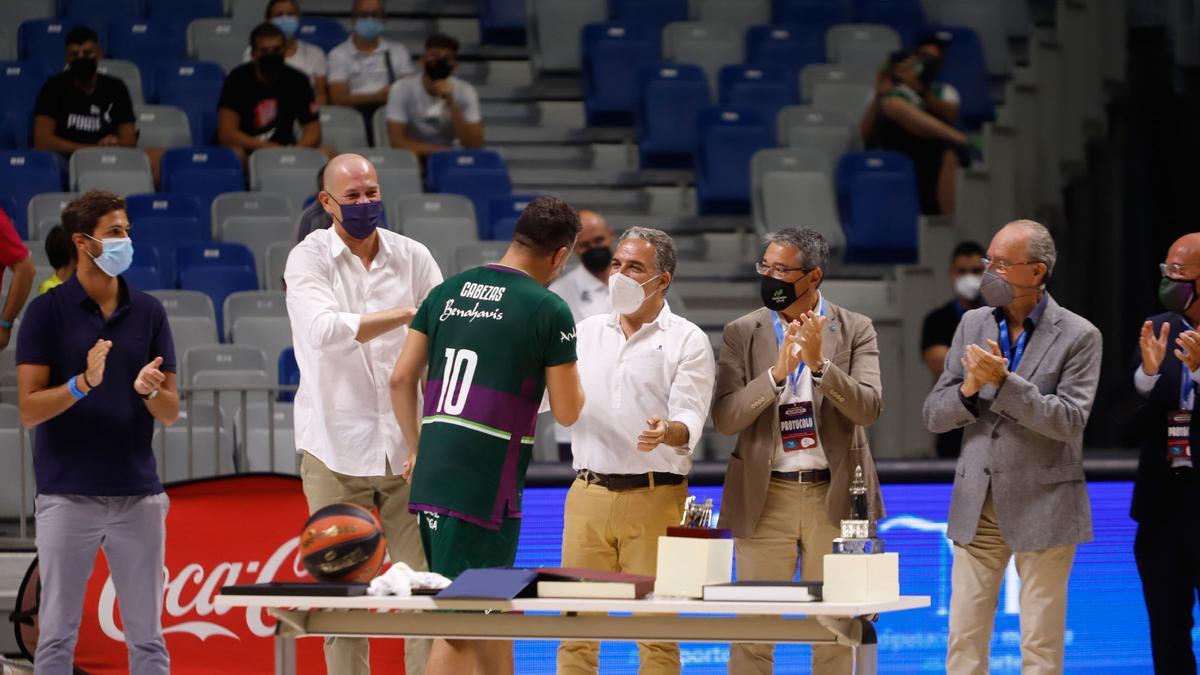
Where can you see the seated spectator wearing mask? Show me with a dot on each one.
(966, 273)
(363, 67)
(81, 108)
(436, 111)
(899, 120)
(263, 100)
(60, 251)
(303, 56)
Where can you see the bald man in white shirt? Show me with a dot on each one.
(648, 379)
(352, 291)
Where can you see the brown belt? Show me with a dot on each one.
(817, 476)
(629, 481)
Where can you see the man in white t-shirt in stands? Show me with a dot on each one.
(363, 67)
(585, 289)
(435, 111)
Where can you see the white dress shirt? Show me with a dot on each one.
(343, 410)
(666, 369)
(584, 293)
(811, 459)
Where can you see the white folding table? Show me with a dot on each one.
(668, 620)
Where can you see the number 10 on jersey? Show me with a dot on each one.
(458, 373)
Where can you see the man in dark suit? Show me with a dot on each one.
(1166, 495)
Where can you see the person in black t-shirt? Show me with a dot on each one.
(79, 107)
(263, 100)
(966, 272)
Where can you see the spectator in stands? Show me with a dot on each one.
(315, 217)
(966, 271)
(61, 254)
(585, 289)
(303, 56)
(95, 373)
(900, 120)
(263, 100)
(15, 258)
(363, 67)
(435, 111)
(79, 107)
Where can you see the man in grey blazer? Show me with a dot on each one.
(797, 382)
(1020, 380)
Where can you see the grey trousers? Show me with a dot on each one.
(132, 532)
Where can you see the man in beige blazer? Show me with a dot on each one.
(799, 413)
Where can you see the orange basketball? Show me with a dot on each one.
(342, 542)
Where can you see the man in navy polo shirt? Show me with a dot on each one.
(95, 369)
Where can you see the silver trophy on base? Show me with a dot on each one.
(858, 531)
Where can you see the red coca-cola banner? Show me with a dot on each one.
(223, 531)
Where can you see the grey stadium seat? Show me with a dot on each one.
(741, 14)
(554, 31)
(243, 304)
(467, 256)
(289, 171)
(399, 170)
(442, 236)
(791, 187)
(45, 211)
(258, 440)
(186, 303)
(248, 13)
(208, 434)
(708, 45)
(379, 128)
(10, 455)
(431, 206)
(257, 233)
(342, 127)
(277, 255)
(233, 204)
(226, 388)
(191, 331)
(162, 126)
(804, 126)
(816, 74)
(272, 334)
(222, 357)
(866, 43)
(219, 40)
(124, 171)
(127, 72)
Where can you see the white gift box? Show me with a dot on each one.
(872, 577)
(687, 564)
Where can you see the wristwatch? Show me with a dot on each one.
(150, 396)
(820, 371)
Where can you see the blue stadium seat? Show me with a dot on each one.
(147, 261)
(218, 281)
(289, 372)
(477, 175)
(790, 46)
(25, 173)
(203, 172)
(612, 56)
(146, 42)
(879, 219)
(9, 206)
(194, 87)
(672, 95)
(503, 212)
(966, 69)
(165, 235)
(144, 278)
(653, 14)
(729, 137)
(324, 33)
(441, 163)
(44, 41)
(96, 13)
(763, 88)
(163, 205)
(906, 16)
(21, 83)
(179, 13)
(817, 15)
(502, 22)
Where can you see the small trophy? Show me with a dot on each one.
(693, 554)
(858, 531)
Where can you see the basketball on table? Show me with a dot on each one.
(342, 542)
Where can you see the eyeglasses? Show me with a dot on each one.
(777, 271)
(1174, 270)
(1002, 266)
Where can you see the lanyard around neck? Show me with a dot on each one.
(793, 377)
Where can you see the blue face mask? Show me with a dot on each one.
(360, 220)
(288, 24)
(116, 257)
(368, 28)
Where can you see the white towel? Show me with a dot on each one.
(400, 580)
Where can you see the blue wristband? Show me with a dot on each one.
(6, 324)
(74, 388)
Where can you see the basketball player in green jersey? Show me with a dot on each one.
(494, 340)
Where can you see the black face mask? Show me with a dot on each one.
(930, 69)
(83, 68)
(439, 69)
(271, 65)
(777, 294)
(596, 259)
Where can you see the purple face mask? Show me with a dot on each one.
(360, 220)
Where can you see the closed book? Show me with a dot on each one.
(765, 591)
(575, 582)
(491, 583)
(333, 589)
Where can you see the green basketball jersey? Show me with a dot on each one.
(492, 332)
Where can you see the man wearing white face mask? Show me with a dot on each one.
(966, 273)
(647, 375)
